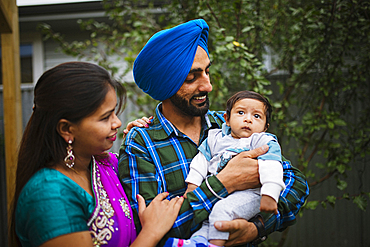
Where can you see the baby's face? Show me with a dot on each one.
(247, 117)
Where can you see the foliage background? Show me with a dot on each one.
(310, 58)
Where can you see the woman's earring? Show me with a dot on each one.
(69, 160)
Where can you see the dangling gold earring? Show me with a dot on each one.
(69, 160)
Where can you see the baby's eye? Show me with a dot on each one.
(257, 116)
(240, 112)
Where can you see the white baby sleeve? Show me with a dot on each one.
(271, 178)
(198, 169)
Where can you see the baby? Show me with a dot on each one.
(247, 118)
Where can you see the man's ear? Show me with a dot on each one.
(226, 119)
(64, 129)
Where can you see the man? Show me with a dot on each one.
(173, 67)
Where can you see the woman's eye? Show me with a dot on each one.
(106, 118)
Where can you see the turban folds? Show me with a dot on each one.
(163, 64)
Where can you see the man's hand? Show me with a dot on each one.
(241, 172)
(241, 231)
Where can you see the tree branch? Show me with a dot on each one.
(327, 176)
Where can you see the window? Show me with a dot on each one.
(25, 51)
(31, 58)
(26, 63)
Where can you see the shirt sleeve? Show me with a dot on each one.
(49, 207)
(290, 201)
(138, 175)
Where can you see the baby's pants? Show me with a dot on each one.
(240, 204)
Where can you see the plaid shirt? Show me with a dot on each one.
(156, 159)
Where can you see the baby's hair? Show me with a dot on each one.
(249, 95)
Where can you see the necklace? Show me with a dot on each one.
(79, 174)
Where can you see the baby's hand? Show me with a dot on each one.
(190, 188)
(268, 205)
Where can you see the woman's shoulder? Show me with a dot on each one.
(50, 205)
(44, 179)
(51, 185)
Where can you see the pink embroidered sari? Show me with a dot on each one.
(111, 223)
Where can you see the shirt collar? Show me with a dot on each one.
(162, 124)
(168, 128)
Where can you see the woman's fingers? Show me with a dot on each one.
(161, 196)
(177, 202)
(141, 203)
(140, 122)
(174, 203)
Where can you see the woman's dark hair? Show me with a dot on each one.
(71, 91)
(249, 95)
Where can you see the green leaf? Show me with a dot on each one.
(312, 205)
(247, 29)
(331, 200)
(229, 38)
(341, 184)
(340, 122)
(341, 168)
(361, 202)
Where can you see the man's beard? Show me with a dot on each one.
(184, 105)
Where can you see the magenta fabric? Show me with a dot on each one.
(112, 222)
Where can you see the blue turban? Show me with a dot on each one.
(163, 64)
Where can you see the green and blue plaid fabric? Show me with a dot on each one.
(156, 159)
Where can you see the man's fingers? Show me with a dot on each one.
(256, 152)
(226, 226)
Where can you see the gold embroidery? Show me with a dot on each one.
(125, 207)
(102, 226)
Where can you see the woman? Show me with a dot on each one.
(67, 189)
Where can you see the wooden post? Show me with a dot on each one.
(9, 28)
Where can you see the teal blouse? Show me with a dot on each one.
(68, 208)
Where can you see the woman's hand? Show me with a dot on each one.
(156, 219)
(140, 122)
